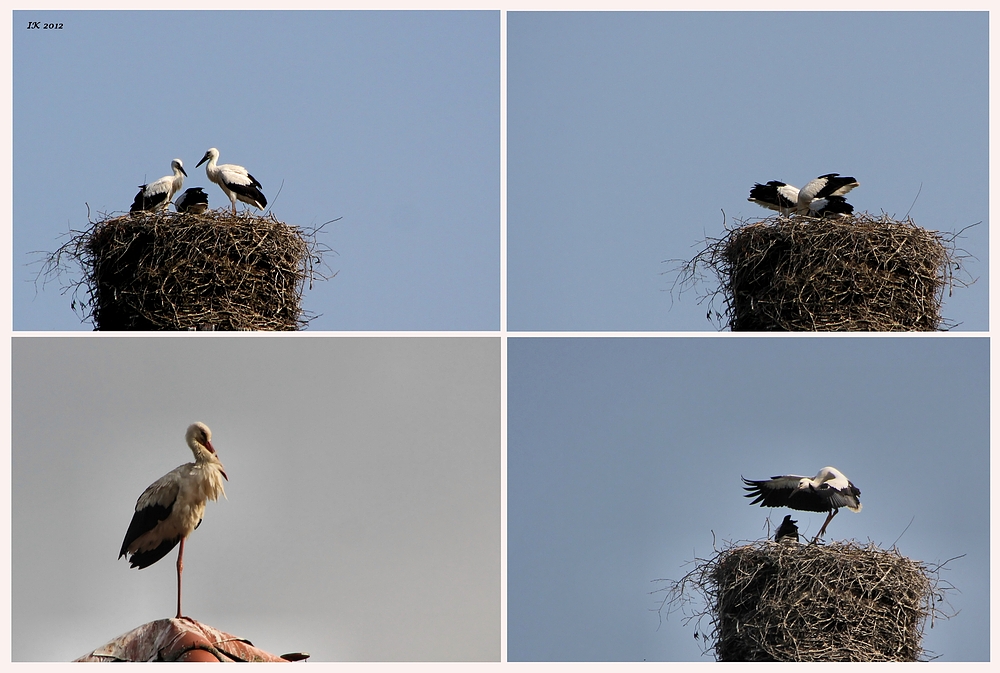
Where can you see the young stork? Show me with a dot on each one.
(787, 530)
(173, 505)
(157, 195)
(234, 180)
(193, 200)
(821, 197)
(828, 491)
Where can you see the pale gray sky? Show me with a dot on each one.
(363, 512)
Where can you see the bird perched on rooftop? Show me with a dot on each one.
(234, 180)
(193, 200)
(821, 197)
(157, 195)
(787, 531)
(172, 506)
(828, 491)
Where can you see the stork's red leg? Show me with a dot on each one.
(822, 530)
(180, 567)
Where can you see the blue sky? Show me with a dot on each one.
(630, 134)
(387, 120)
(624, 459)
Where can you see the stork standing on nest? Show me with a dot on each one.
(157, 195)
(828, 491)
(172, 506)
(234, 180)
(821, 197)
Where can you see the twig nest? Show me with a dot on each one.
(785, 601)
(181, 271)
(856, 273)
(839, 602)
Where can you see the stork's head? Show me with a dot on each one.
(805, 483)
(198, 434)
(199, 438)
(211, 154)
(178, 165)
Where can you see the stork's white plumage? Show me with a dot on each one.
(172, 506)
(822, 197)
(828, 491)
(193, 200)
(157, 195)
(234, 180)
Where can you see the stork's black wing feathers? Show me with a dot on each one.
(137, 204)
(834, 184)
(143, 521)
(787, 530)
(194, 200)
(251, 191)
(838, 499)
(831, 205)
(768, 196)
(147, 558)
(770, 493)
(781, 492)
(144, 201)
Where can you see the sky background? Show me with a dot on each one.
(624, 459)
(630, 134)
(363, 512)
(387, 120)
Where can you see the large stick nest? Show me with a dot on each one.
(856, 273)
(771, 601)
(180, 271)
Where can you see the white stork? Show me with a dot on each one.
(828, 491)
(157, 195)
(234, 180)
(787, 530)
(821, 197)
(193, 200)
(172, 506)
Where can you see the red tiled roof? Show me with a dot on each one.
(181, 640)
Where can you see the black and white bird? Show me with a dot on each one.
(828, 491)
(821, 197)
(193, 200)
(157, 195)
(173, 505)
(234, 180)
(787, 531)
